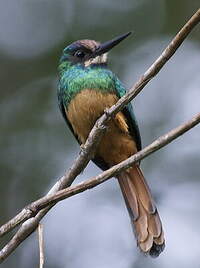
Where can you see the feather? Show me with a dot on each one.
(142, 189)
(141, 226)
(154, 226)
(146, 245)
(129, 193)
(147, 225)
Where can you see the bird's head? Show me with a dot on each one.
(87, 52)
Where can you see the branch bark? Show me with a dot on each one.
(109, 173)
(41, 244)
(104, 176)
(91, 144)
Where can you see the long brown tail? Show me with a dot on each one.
(143, 212)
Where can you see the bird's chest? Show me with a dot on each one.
(85, 108)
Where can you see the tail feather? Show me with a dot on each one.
(155, 227)
(130, 198)
(142, 210)
(143, 191)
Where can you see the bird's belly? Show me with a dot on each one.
(83, 111)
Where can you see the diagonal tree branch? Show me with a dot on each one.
(92, 142)
(52, 199)
(109, 173)
(99, 128)
(90, 183)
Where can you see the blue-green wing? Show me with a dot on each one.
(129, 114)
(62, 108)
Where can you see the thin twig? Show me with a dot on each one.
(41, 244)
(94, 137)
(167, 53)
(90, 183)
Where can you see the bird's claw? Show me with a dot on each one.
(82, 147)
(106, 111)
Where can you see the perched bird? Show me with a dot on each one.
(86, 88)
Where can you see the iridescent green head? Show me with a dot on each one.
(87, 52)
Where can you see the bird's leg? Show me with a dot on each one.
(82, 149)
(107, 112)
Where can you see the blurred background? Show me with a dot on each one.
(92, 229)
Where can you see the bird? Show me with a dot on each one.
(86, 88)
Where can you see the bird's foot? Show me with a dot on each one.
(107, 112)
(82, 147)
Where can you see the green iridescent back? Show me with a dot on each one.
(78, 77)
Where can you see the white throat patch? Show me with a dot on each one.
(97, 60)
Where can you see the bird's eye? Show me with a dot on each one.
(79, 54)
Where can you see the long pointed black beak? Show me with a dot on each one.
(106, 46)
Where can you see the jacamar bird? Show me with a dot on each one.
(86, 88)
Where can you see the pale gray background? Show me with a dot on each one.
(92, 229)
